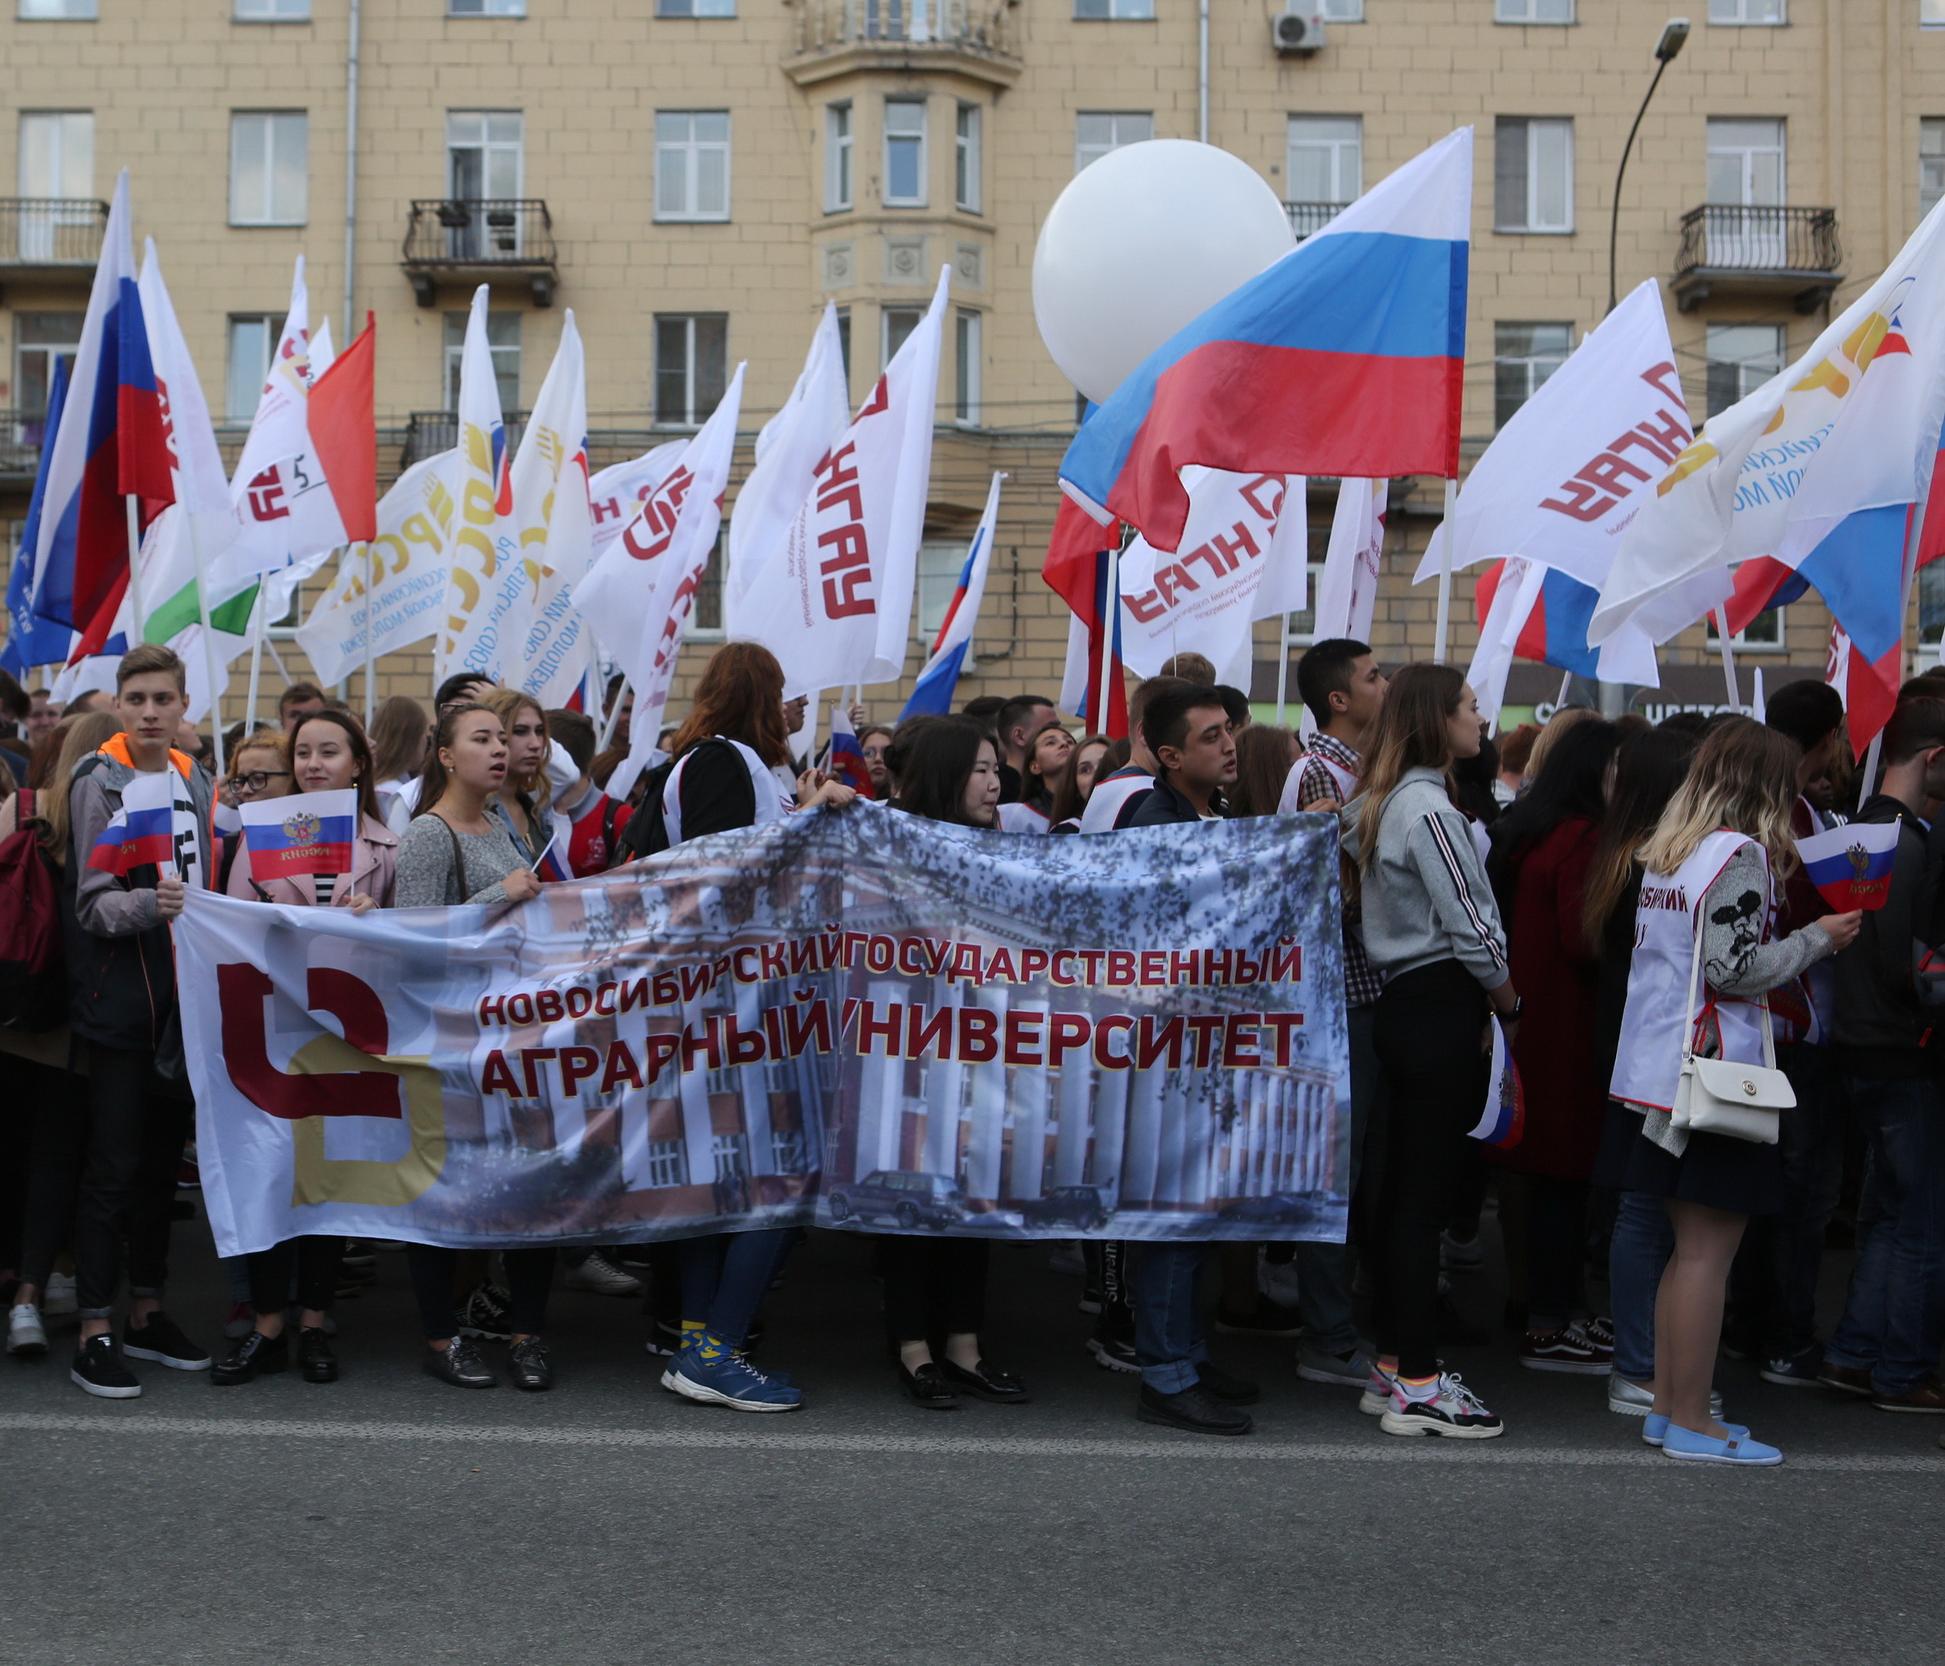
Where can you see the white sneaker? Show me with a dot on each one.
(1375, 1401)
(26, 1336)
(601, 1277)
(1632, 1399)
(57, 1300)
(1453, 1411)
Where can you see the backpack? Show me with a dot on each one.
(646, 833)
(33, 976)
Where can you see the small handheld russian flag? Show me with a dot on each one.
(141, 834)
(1851, 865)
(847, 757)
(1502, 1122)
(307, 833)
(552, 866)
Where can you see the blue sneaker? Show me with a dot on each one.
(1687, 1445)
(689, 1336)
(1654, 1428)
(713, 1375)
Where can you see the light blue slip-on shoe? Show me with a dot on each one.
(1686, 1444)
(1654, 1429)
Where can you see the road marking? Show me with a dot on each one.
(742, 1438)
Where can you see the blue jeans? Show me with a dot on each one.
(1169, 1341)
(1896, 1307)
(1324, 1270)
(1636, 1256)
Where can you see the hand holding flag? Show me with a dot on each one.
(552, 866)
(141, 834)
(1851, 865)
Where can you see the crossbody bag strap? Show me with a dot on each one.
(458, 856)
(1688, 1009)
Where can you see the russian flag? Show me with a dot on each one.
(141, 834)
(32, 640)
(1851, 865)
(306, 833)
(847, 757)
(1554, 632)
(1079, 555)
(552, 867)
(1345, 357)
(1502, 1120)
(938, 682)
(112, 444)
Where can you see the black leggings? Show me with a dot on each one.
(934, 1287)
(1556, 1248)
(136, 1126)
(49, 1166)
(316, 1264)
(530, 1274)
(1428, 1027)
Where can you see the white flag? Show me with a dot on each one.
(483, 548)
(617, 493)
(1347, 588)
(648, 579)
(788, 450)
(837, 609)
(547, 650)
(417, 521)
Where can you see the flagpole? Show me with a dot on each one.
(613, 715)
(371, 577)
(209, 639)
(1445, 572)
(1566, 688)
(1728, 659)
(1913, 533)
(1111, 617)
(1282, 667)
(137, 618)
(256, 658)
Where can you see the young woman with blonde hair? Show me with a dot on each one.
(522, 802)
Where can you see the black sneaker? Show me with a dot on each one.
(1112, 1353)
(529, 1367)
(1266, 1318)
(459, 1363)
(1569, 1349)
(161, 1340)
(1226, 1386)
(100, 1369)
(314, 1356)
(1794, 1370)
(487, 1314)
(664, 1338)
(256, 1355)
(1194, 1410)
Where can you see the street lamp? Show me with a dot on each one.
(1674, 34)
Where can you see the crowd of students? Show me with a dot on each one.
(1614, 896)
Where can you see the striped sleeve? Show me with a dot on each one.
(1462, 901)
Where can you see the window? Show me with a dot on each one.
(905, 152)
(1338, 11)
(484, 163)
(1533, 11)
(40, 338)
(692, 164)
(1931, 13)
(965, 408)
(897, 323)
(691, 366)
(269, 167)
(666, 1166)
(1303, 624)
(1524, 356)
(273, 11)
(695, 8)
(253, 338)
(837, 157)
(57, 165)
(502, 341)
(844, 345)
(1763, 634)
(940, 562)
(1931, 163)
(1742, 357)
(706, 611)
(1747, 11)
(965, 160)
(1533, 175)
(58, 11)
(1324, 159)
(1119, 11)
(1746, 162)
(486, 8)
(1931, 585)
(1100, 131)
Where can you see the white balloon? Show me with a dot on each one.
(1142, 242)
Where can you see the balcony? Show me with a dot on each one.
(976, 38)
(1307, 218)
(473, 240)
(22, 434)
(427, 433)
(1739, 249)
(50, 237)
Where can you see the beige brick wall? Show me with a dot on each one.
(1852, 77)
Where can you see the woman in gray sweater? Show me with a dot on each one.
(1432, 932)
(456, 852)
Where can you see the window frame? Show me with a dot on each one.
(240, 14)
(665, 12)
(1936, 126)
(696, 416)
(1115, 116)
(1530, 127)
(271, 120)
(1780, 20)
(1352, 10)
(968, 349)
(1501, 7)
(503, 10)
(1337, 149)
(936, 573)
(91, 15)
(840, 156)
(1750, 371)
(909, 102)
(273, 327)
(692, 150)
(453, 347)
(1526, 361)
(1937, 10)
(887, 352)
(968, 145)
(1742, 642)
(1114, 11)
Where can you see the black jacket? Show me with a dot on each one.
(1165, 807)
(1880, 1024)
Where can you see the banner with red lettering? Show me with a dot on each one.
(851, 1019)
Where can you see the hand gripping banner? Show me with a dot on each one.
(851, 1019)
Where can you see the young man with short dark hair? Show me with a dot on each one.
(299, 701)
(122, 1011)
(1341, 684)
(1187, 730)
(1117, 796)
(595, 820)
(1019, 720)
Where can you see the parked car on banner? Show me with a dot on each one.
(1086, 1207)
(912, 1200)
(1287, 1207)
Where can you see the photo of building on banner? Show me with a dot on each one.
(859, 1021)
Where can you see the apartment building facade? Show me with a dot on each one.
(696, 177)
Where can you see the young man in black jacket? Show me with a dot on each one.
(1187, 730)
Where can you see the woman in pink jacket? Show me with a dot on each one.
(328, 752)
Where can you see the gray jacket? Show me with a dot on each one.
(1425, 893)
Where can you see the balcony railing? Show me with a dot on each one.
(47, 233)
(1741, 246)
(975, 33)
(468, 238)
(427, 433)
(22, 434)
(1309, 217)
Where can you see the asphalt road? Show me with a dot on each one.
(389, 1518)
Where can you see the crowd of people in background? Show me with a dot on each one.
(1612, 895)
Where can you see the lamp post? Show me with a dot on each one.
(1674, 34)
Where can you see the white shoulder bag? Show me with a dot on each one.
(1720, 1096)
